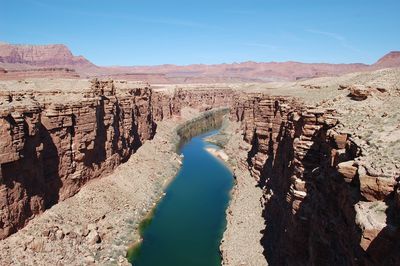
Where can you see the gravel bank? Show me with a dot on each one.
(241, 241)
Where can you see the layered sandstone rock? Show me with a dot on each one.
(164, 105)
(50, 149)
(54, 141)
(314, 177)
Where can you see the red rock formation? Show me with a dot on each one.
(391, 59)
(41, 55)
(49, 150)
(359, 92)
(165, 106)
(315, 187)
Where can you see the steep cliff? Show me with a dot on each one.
(321, 205)
(49, 149)
(53, 141)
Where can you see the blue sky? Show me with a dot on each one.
(147, 32)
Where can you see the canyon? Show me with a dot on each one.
(83, 161)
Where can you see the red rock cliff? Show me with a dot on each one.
(321, 205)
(49, 149)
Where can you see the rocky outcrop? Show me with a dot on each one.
(317, 191)
(164, 105)
(49, 150)
(41, 55)
(359, 92)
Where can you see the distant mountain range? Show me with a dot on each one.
(56, 60)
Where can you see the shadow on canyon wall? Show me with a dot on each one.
(209, 120)
(40, 162)
(385, 248)
(320, 228)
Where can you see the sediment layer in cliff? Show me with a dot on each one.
(53, 141)
(49, 149)
(321, 204)
(100, 222)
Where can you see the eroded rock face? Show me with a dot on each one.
(49, 150)
(165, 106)
(313, 178)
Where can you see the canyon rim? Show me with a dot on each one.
(91, 155)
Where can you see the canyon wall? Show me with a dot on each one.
(321, 205)
(50, 146)
(208, 120)
(49, 150)
(204, 99)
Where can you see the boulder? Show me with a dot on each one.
(359, 92)
(347, 170)
(374, 188)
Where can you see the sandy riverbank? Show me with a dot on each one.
(97, 225)
(241, 241)
(218, 153)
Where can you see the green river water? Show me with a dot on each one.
(187, 225)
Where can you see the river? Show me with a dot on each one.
(187, 225)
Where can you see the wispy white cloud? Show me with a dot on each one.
(160, 21)
(335, 36)
(174, 22)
